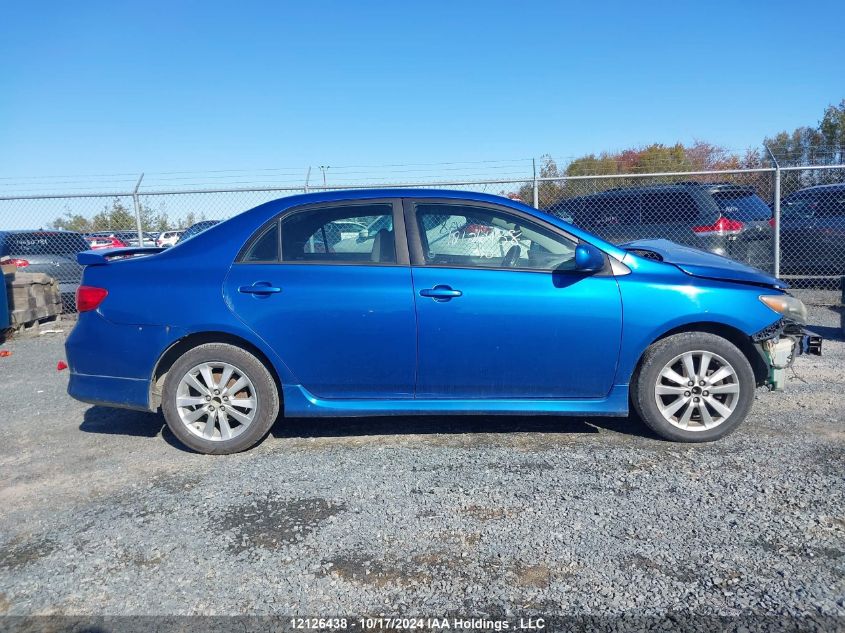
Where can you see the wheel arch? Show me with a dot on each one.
(190, 341)
(728, 332)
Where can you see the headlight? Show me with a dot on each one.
(787, 306)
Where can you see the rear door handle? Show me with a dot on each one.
(440, 293)
(260, 288)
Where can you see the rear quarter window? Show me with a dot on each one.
(831, 204)
(266, 247)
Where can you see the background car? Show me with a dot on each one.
(196, 229)
(168, 238)
(813, 231)
(127, 238)
(97, 242)
(130, 238)
(723, 218)
(50, 252)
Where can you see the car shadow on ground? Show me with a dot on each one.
(109, 421)
(452, 425)
(827, 332)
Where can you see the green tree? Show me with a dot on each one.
(116, 217)
(832, 130)
(72, 222)
(822, 144)
(548, 191)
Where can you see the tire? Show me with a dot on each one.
(656, 389)
(243, 409)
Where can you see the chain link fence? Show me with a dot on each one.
(733, 213)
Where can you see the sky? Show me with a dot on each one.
(92, 88)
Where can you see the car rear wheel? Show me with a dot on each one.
(693, 387)
(219, 399)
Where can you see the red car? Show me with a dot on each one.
(99, 241)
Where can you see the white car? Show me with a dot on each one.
(168, 238)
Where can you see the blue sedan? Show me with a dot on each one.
(387, 302)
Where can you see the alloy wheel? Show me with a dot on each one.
(216, 401)
(697, 391)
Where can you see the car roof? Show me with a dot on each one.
(265, 211)
(47, 231)
(711, 187)
(834, 186)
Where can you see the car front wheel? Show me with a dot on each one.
(693, 387)
(219, 399)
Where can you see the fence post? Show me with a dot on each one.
(536, 185)
(842, 305)
(777, 222)
(137, 203)
(776, 214)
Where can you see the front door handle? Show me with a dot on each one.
(440, 293)
(260, 288)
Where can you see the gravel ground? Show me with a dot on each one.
(104, 513)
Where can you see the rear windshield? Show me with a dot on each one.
(44, 244)
(743, 206)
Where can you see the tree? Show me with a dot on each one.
(548, 191)
(117, 217)
(823, 144)
(72, 222)
(832, 130)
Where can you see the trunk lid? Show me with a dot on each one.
(698, 263)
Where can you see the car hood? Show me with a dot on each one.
(699, 263)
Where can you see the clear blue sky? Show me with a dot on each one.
(107, 87)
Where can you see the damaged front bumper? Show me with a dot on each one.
(780, 343)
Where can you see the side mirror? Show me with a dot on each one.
(588, 258)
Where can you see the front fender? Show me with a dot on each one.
(653, 307)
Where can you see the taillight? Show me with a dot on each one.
(20, 263)
(772, 222)
(722, 226)
(89, 298)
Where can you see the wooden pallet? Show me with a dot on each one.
(33, 298)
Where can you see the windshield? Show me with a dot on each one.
(743, 206)
(45, 244)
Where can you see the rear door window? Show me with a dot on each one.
(360, 233)
(668, 207)
(609, 210)
(744, 206)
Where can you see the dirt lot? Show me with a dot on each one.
(103, 512)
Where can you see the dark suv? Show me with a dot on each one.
(813, 231)
(49, 252)
(722, 218)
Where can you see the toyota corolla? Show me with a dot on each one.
(387, 302)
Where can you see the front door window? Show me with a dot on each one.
(458, 235)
